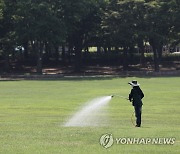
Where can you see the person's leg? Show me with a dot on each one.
(138, 115)
(139, 118)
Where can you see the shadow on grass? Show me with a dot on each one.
(9, 80)
(91, 78)
(78, 77)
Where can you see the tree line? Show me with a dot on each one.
(40, 27)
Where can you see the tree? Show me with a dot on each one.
(7, 33)
(140, 25)
(174, 37)
(120, 25)
(159, 20)
(132, 22)
(41, 23)
(82, 19)
(41, 26)
(1, 8)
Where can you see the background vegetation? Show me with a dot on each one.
(40, 31)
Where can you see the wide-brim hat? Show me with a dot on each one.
(134, 83)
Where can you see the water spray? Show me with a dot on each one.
(84, 116)
(89, 115)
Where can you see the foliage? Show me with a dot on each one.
(43, 26)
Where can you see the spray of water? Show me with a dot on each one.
(90, 114)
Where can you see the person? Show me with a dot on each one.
(135, 97)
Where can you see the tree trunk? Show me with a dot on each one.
(154, 43)
(160, 52)
(125, 62)
(98, 50)
(33, 50)
(47, 54)
(142, 59)
(78, 59)
(141, 48)
(156, 60)
(109, 49)
(6, 48)
(56, 47)
(63, 54)
(70, 49)
(105, 49)
(39, 57)
(26, 50)
(78, 52)
(6, 64)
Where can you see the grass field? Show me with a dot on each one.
(32, 114)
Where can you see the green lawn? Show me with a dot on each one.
(32, 114)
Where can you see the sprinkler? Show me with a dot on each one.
(112, 95)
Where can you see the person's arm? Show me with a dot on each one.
(142, 94)
(130, 96)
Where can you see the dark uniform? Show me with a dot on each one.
(135, 97)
